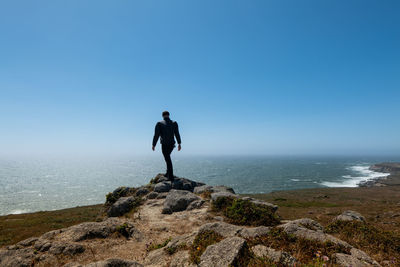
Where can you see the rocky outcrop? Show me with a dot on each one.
(276, 256)
(212, 189)
(164, 186)
(388, 167)
(121, 206)
(108, 263)
(350, 215)
(224, 253)
(178, 200)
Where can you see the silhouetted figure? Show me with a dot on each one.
(167, 130)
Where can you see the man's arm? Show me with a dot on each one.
(177, 135)
(156, 135)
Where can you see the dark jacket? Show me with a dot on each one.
(166, 129)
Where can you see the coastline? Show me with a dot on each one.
(377, 199)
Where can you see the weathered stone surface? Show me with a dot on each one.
(274, 255)
(114, 263)
(347, 260)
(162, 187)
(362, 256)
(141, 191)
(122, 206)
(216, 195)
(156, 258)
(350, 215)
(16, 258)
(27, 242)
(181, 259)
(65, 248)
(152, 195)
(254, 232)
(179, 242)
(178, 200)
(212, 189)
(261, 203)
(313, 232)
(224, 253)
(122, 191)
(221, 228)
(91, 230)
(195, 204)
(185, 184)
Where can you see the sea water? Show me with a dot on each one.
(28, 185)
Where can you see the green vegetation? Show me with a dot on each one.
(244, 212)
(201, 242)
(14, 228)
(157, 246)
(381, 243)
(123, 191)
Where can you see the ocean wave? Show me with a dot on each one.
(363, 174)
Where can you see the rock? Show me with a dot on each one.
(64, 248)
(212, 189)
(224, 253)
(181, 259)
(152, 195)
(195, 204)
(162, 187)
(179, 242)
(27, 242)
(216, 195)
(346, 260)
(121, 191)
(185, 184)
(114, 263)
(157, 257)
(254, 232)
(258, 202)
(350, 215)
(16, 258)
(122, 206)
(141, 191)
(276, 256)
(162, 195)
(362, 256)
(221, 228)
(178, 200)
(309, 229)
(90, 230)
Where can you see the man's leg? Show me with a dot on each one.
(166, 150)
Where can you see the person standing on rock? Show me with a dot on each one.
(167, 129)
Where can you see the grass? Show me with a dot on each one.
(379, 243)
(201, 242)
(161, 245)
(14, 228)
(245, 212)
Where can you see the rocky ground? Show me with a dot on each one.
(186, 223)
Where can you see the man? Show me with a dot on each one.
(167, 130)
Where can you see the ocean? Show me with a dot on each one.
(28, 185)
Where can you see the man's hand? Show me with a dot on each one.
(179, 147)
(153, 147)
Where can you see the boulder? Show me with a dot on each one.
(152, 195)
(178, 200)
(27, 242)
(195, 204)
(254, 232)
(114, 263)
(350, 215)
(212, 189)
(221, 228)
(121, 191)
(17, 258)
(258, 202)
(162, 187)
(309, 229)
(216, 195)
(65, 248)
(181, 259)
(276, 256)
(224, 253)
(141, 191)
(185, 184)
(346, 260)
(122, 206)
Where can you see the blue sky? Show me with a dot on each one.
(240, 77)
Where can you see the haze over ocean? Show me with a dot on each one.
(269, 95)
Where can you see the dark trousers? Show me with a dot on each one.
(167, 150)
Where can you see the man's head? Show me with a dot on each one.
(165, 114)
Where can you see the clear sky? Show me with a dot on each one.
(240, 77)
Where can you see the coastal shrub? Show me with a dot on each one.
(201, 242)
(367, 237)
(244, 212)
